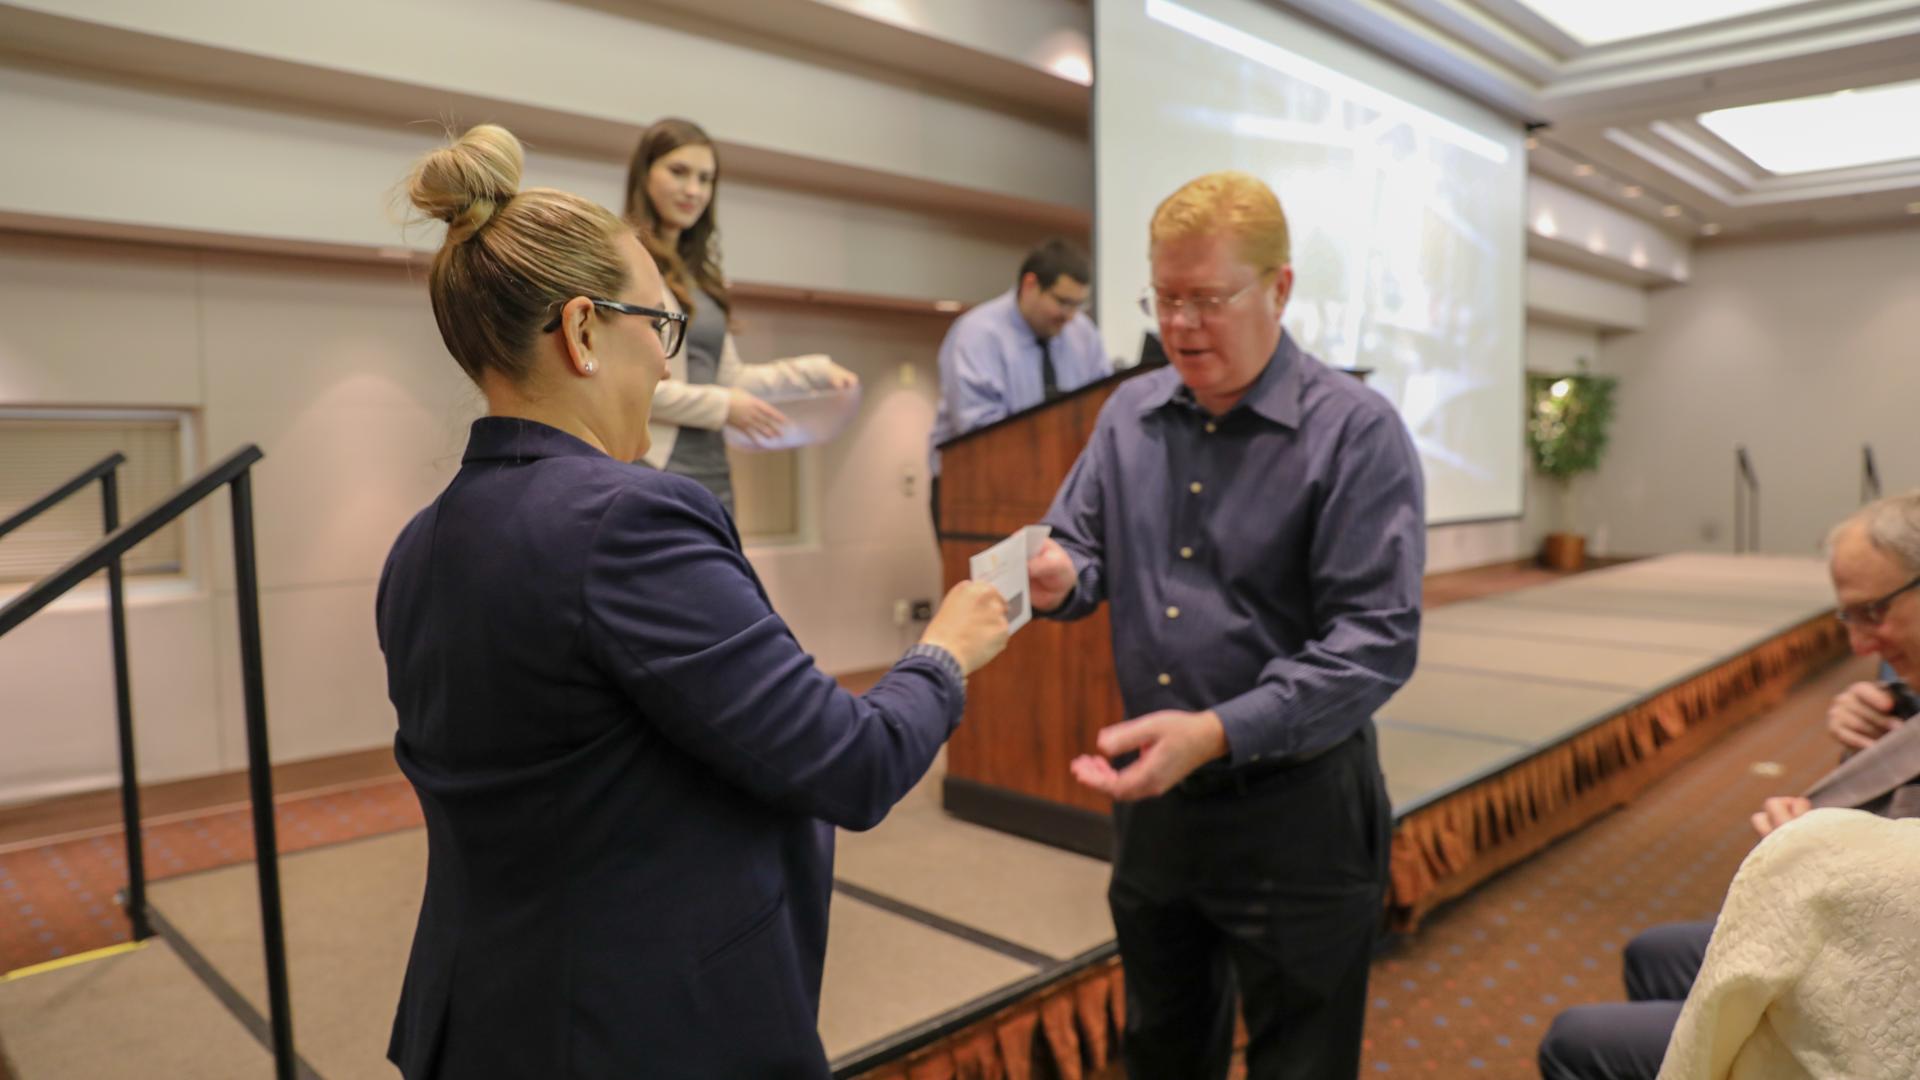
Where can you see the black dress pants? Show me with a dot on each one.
(1626, 1041)
(1267, 890)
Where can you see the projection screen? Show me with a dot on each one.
(1405, 200)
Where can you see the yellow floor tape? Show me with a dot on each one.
(77, 958)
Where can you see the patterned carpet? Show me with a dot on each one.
(1469, 996)
(58, 899)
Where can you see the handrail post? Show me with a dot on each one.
(1739, 501)
(123, 706)
(1746, 503)
(260, 774)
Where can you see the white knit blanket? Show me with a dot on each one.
(1814, 969)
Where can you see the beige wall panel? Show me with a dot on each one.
(1800, 350)
(1036, 32)
(326, 680)
(609, 61)
(817, 241)
(839, 600)
(872, 540)
(275, 176)
(1573, 296)
(338, 373)
(57, 698)
(91, 323)
(208, 164)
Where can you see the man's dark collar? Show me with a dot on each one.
(1275, 394)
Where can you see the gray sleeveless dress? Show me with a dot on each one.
(698, 452)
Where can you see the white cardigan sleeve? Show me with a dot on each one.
(794, 375)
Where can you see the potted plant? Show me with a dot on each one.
(1567, 417)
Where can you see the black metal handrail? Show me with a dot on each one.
(102, 470)
(1746, 503)
(106, 472)
(1869, 474)
(235, 473)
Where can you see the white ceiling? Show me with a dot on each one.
(1620, 114)
(1592, 23)
(1841, 130)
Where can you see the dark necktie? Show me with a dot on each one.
(1049, 382)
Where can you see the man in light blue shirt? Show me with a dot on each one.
(1027, 345)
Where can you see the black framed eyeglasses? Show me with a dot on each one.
(1872, 612)
(670, 325)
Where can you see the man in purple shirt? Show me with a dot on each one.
(1025, 346)
(1255, 520)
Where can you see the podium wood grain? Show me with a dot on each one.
(1037, 706)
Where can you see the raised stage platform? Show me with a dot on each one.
(953, 945)
(1534, 711)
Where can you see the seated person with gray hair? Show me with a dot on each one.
(1874, 558)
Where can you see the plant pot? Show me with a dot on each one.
(1563, 551)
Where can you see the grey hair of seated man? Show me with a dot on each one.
(1892, 525)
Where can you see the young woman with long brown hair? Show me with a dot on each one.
(671, 186)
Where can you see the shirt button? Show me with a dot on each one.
(1186, 553)
(1173, 613)
(1166, 679)
(1211, 428)
(1194, 487)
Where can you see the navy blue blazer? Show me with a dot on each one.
(629, 770)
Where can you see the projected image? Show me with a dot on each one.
(1405, 211)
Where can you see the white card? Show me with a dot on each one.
(1036, 538)
(1004, 566)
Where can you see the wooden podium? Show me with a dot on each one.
(1041, 703)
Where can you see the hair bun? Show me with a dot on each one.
(465, 183)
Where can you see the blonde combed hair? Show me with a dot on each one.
(510, 256)
(1232, 202)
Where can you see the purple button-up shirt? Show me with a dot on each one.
(1264, 563)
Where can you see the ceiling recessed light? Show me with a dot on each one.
(1709, 229)
(1670, 210)
(947, 305)
(1631, 191)
(1583, 169)
(1828, 131)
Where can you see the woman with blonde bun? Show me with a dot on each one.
(629, 768)
(671, 185)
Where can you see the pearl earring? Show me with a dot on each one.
(587, 367)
